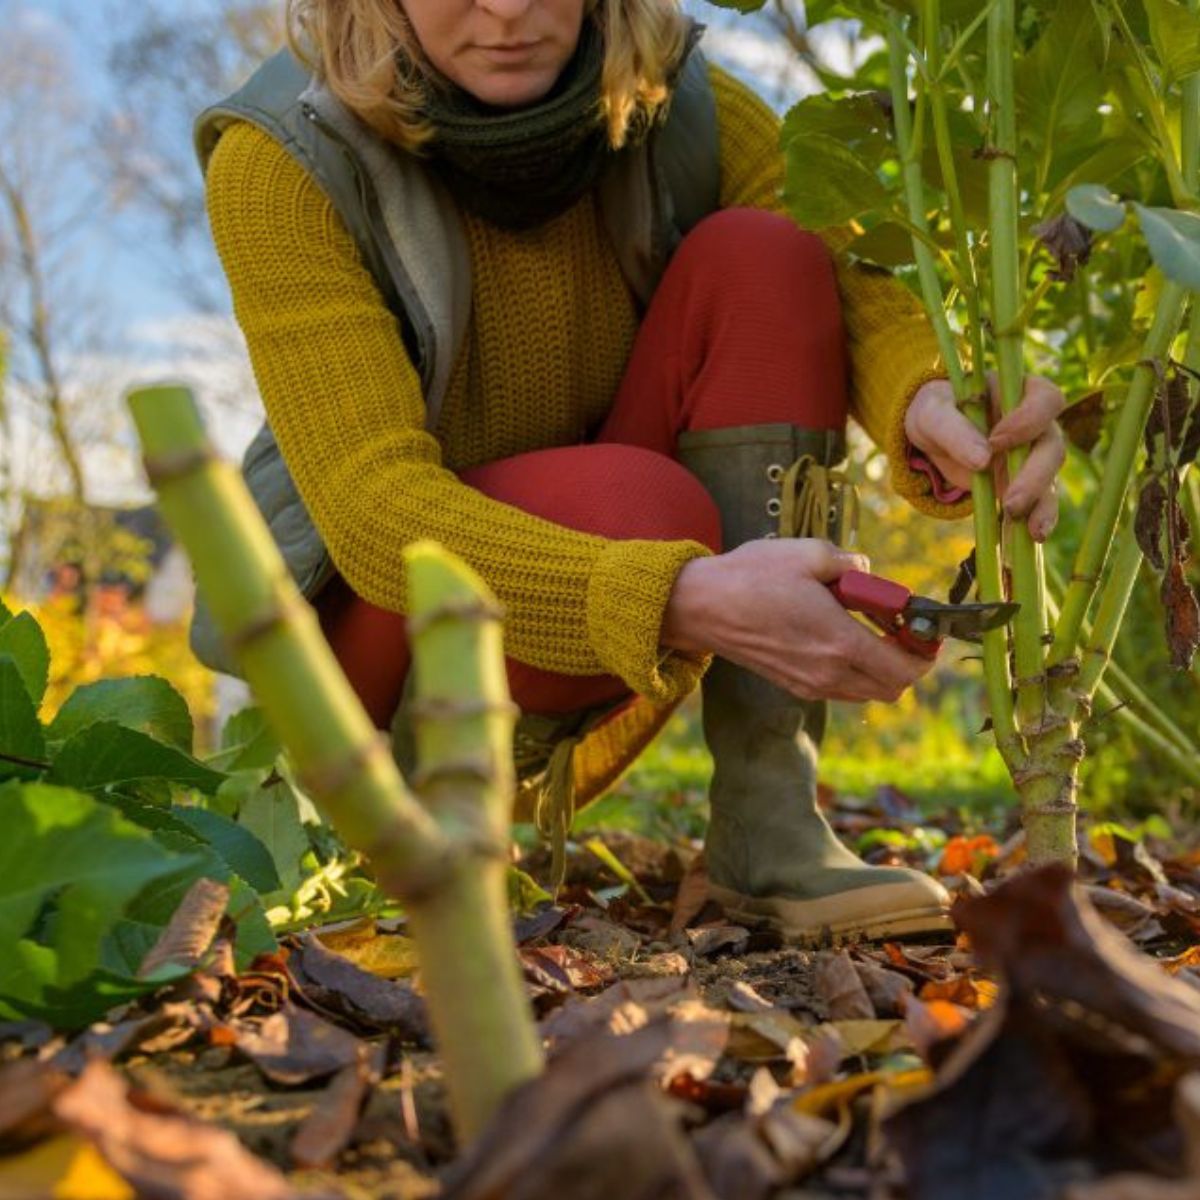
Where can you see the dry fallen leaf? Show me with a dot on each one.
(293, 1046)
(838, 985)
(389, 956)
(188, 935)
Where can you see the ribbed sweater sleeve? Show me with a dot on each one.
(346, 407)
(892, 346)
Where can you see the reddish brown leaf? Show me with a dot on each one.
(692, 896)
(327, 1130)
(590, 1127)
(561, 969)
(1148, 523)
(707, 940)
(1083, 422)
(164, 1155)
(840, 988)
(968, 856)
(293, 1046)
(928, 1025)
(1183, 617)
(1069, 242)
(190, 931)
(336, 985)
(888, 990)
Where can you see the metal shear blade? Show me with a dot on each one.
(966, 622)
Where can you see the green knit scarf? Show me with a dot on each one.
(519, 168)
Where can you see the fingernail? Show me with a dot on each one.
(981, 455)
(998, 441)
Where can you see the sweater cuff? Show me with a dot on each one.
(627, 596)
(908, 480)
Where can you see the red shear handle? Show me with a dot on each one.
(883, 601)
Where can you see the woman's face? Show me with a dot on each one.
(504, 52)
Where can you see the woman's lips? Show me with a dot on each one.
(512, 52)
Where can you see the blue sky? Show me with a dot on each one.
(118, 253)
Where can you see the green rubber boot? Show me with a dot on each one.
(772, 857)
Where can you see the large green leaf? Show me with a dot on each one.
(29, 989)
(245, 854)
(107, 754)
(1096, 207)
(1060, 82)
(247, 741)
(1175, 33)
(24, 642)
(1174, 241)
(856, 122)
(22, 743)
(272, 814)
(63, 845)
(142, 702)
(825, 184)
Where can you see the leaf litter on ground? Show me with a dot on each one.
(695, 1057)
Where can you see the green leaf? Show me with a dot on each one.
(1174, 241)
(856, 122)
(272, 815)
(237, 846)
(746, 6)
(22, 743)
(22, 639)
(28, 989)
(6, 614)
(1096, 207)
(1175, 33)
(825, 184)
(64, 845)
(886, 244)
(247, 741)
(1059, 83)
(142, 702)
(107, 754)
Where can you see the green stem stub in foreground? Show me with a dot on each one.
(444, 858)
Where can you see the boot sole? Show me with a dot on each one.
(825, 922)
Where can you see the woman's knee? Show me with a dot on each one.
(613, 490)
(753, 245)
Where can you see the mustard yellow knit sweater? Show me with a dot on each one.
(551, 329)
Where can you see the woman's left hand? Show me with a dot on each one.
(935, 426)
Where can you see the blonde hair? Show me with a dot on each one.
(366, 52)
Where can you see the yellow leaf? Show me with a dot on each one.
(819, 1100)
(387, 955)
(866, 1037)
(64, 1168)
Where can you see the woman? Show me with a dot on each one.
(513, 276)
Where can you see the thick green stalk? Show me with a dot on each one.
(1114, 599)
(1010, 358)
(463, 722)
(1118, 471)
(1117, 683)
(1046, 780)
(987, 530)
(443, 871)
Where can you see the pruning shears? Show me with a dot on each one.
(918, 623)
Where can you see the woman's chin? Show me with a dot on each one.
(510, 89)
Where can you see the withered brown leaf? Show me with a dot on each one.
(1183, 617)
(1148, 523)
(1068, 240)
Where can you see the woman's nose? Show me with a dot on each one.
(506, 10)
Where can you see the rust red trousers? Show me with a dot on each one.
(744, 329)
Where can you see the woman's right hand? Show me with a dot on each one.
(767, 606)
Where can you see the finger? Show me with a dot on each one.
(1040, 405)
(1036, 476)
(884, 661)
(827, 562)
(946, 432)
(1044, 516)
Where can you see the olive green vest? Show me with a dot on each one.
(409, 233)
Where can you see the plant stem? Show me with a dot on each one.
(443, 871)
(1114, 482)
(987, 532)
(463, 722)
(1187, 764)
(1114, 599)
(1009, 338)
